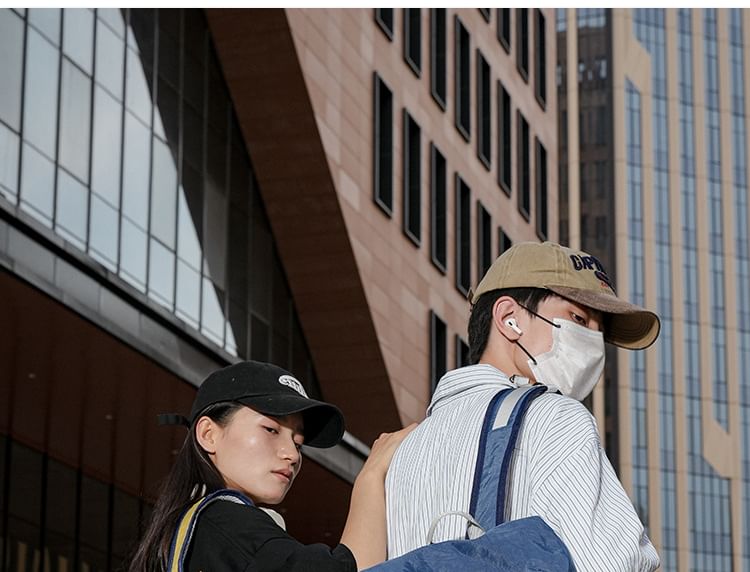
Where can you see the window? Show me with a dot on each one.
(463, 236)
(384, 18)
(437, 55)
(524, 167)
(383, 146)
(503, 27)
(540, 58)
(522, 42)
(412, 178)
(503, 241)
(438, 188)
(504, 134)
(438, 350)
(484, 114)
(541, 191)
(413, 39)
(484, 241)
(462, 353)
(463, 79)
(485, 12)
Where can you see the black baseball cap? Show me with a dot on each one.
(269, 390)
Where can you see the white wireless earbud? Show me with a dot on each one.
(513, 325)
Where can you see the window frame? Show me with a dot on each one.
(462, 79)
(382, 24)
(484, 110)
(411, 179)
(462, 235)
(413, 60)
(386, 206)
(435, 256)
(439, 81)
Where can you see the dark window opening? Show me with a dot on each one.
(438, 350)
(384, 18)
(437, 55)
(524, 167)
(413, 39)
(484, 241)
(484, 113)
(504, 134)
(463, 79)
(541, 191)
(438, 209)
(463, 236)
(383, 146)
(412, 177)
(485, 12)
(503, 28)
(522, 42)
(540, 69)
(503, 241)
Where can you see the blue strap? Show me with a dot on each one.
(502, 423)
(183, 533)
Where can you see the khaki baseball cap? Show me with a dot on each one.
(576, 276)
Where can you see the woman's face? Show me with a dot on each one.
(255, 454)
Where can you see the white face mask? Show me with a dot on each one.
(575, 362)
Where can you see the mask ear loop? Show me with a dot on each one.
(551, 323)
(531, 357)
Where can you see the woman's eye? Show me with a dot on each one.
(271, 430)
(579, 319)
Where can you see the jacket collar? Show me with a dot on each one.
(468, 380)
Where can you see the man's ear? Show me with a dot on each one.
(206, 433)
(505, 313)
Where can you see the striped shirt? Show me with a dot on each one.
(559, 472)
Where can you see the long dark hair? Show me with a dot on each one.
(192, 469)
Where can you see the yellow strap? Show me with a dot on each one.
(182, 532)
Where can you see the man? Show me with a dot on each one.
(540, 315)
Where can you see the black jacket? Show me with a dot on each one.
(231, 537)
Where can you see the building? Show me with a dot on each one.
(653, 169)
(180, 189)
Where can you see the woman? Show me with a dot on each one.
(247, 425)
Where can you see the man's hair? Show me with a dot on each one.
(480, 321)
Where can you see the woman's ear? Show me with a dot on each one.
(206, 433)
(505, 318)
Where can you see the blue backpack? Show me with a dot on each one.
(524, 545)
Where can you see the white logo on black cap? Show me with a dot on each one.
(289, 381)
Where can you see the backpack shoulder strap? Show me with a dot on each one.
(186, 526)
(502, 423)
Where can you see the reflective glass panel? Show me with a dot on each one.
(188, 244)
(164, 193)
(113, 18)
(47, 21)
(188, 294)
(105, 165)
(37, 184)
(11, 62)
(133, 254)
(72, 208)
(137, 92)
(104, 231)
(40, 95)
(9, 145)
(136, 173)
(215, 236)
(78, 37)
(212, 319)
(75, 117)
(161, 273)
(110, 58)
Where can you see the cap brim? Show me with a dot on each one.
(323, 422)
(628, 325)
